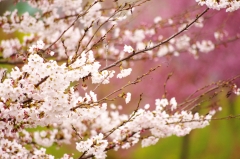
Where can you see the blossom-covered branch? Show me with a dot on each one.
(63, 49)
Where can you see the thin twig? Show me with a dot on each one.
(80, 15)
(165, 84)
(226, 83)
(41, 81)
(126, 121)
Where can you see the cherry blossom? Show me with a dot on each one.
(128, 98)
(128, 49)
(230, 5)
(124, 73)
(66, 47)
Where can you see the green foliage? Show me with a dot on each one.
(23, 7)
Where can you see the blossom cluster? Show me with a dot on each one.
(158, 122)
(61, 45)
(220, 4)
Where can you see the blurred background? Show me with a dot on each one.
(220, 140)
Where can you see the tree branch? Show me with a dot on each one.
(157, 45)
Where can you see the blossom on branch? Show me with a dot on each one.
(128, 98)
(68, 45)
(128, 49)
(124, 73)
(213, 4)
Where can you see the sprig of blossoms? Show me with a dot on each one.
(158, 122)
(220, 4)
(94, 146)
